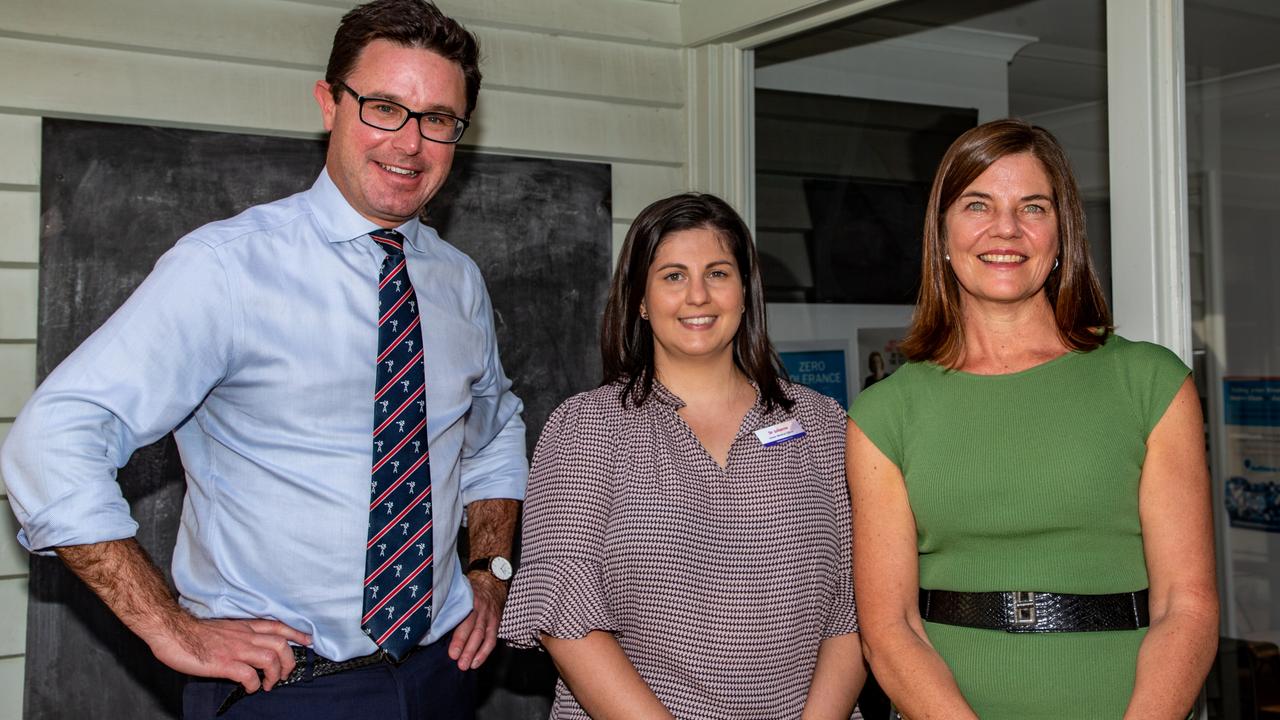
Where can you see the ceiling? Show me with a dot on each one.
(1066, 66)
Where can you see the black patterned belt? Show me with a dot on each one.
(318, 667)
(1036, 611)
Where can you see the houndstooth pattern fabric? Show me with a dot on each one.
(719, 584)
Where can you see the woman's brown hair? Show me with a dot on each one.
(1079, 308)
(626, 340)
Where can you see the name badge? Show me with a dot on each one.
(781, 432)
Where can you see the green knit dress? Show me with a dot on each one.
(1029, 481)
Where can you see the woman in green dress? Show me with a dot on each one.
(1032, 532)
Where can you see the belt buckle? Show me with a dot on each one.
(1024, 609)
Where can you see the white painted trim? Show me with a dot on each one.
(1147, 137)
(759, 22)
(953, 39)
(722, 124)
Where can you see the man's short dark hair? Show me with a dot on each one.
(410, 23)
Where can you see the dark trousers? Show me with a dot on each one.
(426, 686)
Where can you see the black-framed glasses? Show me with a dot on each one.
(388, 115)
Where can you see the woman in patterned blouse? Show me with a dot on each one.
(686, 549)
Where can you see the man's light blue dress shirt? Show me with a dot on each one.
(253, 339)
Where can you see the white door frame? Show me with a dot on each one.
(1147, 136)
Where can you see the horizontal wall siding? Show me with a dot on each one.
(13, 631)
(11, 670)
(298, 32)
(4, 432)
(593, 80)
(195, 92)
(13, 559)
(18, 303)
(19, 224)
(19, 151)
(17, 376)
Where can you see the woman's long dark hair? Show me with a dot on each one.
(626, 340)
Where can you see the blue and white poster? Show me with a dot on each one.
(1252, 418)
(822, 370)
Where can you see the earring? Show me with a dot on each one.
(947, 257)
(1055, 264)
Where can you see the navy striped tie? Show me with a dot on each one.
(397, 583)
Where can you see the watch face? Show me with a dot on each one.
(501, 568)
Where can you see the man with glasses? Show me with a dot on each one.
(328, 366)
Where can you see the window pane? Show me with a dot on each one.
(1233, 182)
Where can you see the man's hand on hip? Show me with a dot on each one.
(126, 579)
(254, 653)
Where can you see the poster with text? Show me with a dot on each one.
(1252, 418)
(822, 368)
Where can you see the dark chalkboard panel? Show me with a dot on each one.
(114, 197)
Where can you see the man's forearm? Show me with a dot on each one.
(124, 576)
(254, 653)
(491, 527)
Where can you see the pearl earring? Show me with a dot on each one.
(948, 257)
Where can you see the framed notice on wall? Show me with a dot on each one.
(821, 364)
(1252, 419)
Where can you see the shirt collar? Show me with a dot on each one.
(664, 395)
(755, 418)
(339, 222)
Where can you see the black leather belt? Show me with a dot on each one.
(317, 667)
(1036, 611)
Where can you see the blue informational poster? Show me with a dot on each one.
(1252, 418)
(822, 370)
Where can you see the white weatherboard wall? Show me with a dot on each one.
(594, 80)
(19, 225)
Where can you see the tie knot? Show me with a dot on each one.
(391, 240)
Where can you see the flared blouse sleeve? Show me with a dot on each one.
(840, 613)
(559, 587)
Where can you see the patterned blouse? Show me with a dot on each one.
(718, 583)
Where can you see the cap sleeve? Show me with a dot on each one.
(1153, 374)
(878, 413)
(559, 588)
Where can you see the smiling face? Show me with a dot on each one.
(1002, 232)
(388, 176)
(693, 298)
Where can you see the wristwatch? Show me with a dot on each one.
(497, 566)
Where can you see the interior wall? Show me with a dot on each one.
(597, 80)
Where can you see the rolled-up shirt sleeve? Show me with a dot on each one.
(559, 589)
(132, 381)
(493, 463)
